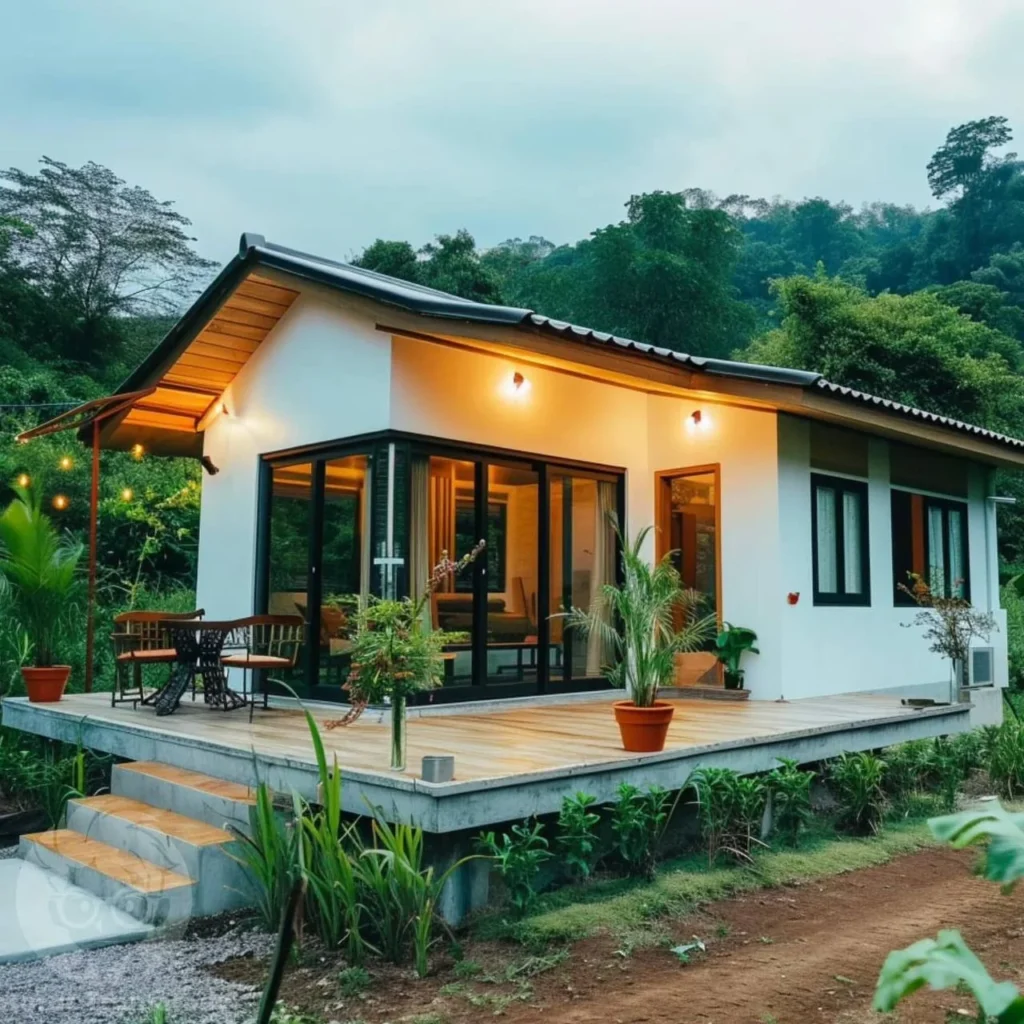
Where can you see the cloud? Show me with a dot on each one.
(325, 125)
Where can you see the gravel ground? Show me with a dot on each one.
(119, 984)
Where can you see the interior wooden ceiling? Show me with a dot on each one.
(190, 388)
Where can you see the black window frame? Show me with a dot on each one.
(900, 597)
(497, 524)
(841, 485)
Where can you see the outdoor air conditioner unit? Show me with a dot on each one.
(981, 667)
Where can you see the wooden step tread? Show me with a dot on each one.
(169, 823)
(126, 868)
(193, 780)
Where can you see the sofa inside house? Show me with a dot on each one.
(454, 612)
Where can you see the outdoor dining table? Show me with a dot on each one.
(199, 644)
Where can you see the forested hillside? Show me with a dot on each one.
(923, 306)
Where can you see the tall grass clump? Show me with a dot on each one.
(856, 781)
(730, 809)
(1006, 758)
(789, 788)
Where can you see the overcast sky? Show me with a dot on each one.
(324, 125)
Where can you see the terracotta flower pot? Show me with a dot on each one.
(643, 730)
(46, 685)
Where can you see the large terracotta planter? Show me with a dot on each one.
(46, 685)
(643, 730)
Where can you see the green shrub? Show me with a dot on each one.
(577, 836)
(948, 769)
(354, 980)
(1013, 603)
(730, 808)
(638, 822)
(790, 791)
(857, 783)
(906, 767)
(1006, 758)
(518, 857)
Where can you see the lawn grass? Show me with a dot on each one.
(621, 906)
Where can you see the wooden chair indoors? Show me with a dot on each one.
(273, 645)
(140, 640)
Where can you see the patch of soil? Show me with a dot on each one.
(809, 953)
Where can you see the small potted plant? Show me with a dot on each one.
(731, 644)
(395, 654)
(635, 622)
(40, 586)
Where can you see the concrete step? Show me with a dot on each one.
(42, 914)
(188, 793)
(146, 891)
(200, 851)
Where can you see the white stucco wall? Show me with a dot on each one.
(322, 374)
(840, 649)
(325, 374)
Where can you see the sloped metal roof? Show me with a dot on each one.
(256, 251)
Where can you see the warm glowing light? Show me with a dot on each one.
(697, 422)
(24, 479)
(60, 502)
(138, 451)
(66, 462)
(517, 386)
(127, 494)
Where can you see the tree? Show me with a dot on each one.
(396, 259)
(960, 164)
(96, 249)
(914, 349)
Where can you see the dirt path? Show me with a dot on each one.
(803, 955)
(796, 955)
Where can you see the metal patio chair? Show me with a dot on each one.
(140, 640)
(273, 644)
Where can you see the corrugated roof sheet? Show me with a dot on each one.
(254, 249)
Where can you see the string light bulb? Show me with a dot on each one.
(127, 494)
(66, 462)
(24, 479)
(138, 451)
(60, 502)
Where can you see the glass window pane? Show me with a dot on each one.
(853, 575)
(291, 519)
(957, 568)
(345, 561)
(825, 539)
(692, 534)
(512, 553)
(582, 561)
(936, 552)
(440, 489)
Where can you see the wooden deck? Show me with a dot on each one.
(541, 750)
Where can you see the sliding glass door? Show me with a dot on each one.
(341, 525)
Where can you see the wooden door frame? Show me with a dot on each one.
(662, 494)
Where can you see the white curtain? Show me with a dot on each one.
(366, 522)
(852, 576)
(825, 541)
(441, 517)
(419, 534)
(956, 553)
(598, 654)
(936, 552)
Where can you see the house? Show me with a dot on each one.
(357, 426)
(353, 428)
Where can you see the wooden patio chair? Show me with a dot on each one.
(273, 644)
(139, 640)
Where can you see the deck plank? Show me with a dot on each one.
(493, 743)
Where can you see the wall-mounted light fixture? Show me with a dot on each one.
(697, 422)
(517, 386)
(208, 465)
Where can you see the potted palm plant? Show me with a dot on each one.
(636, 624)
(40, 586)
(730, 646)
